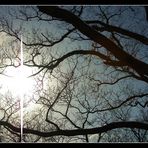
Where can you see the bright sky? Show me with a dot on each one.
(17, 81)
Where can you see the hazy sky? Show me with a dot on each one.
(133, 19)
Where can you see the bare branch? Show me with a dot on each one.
(139, 66)
(108, 127)
(111, 28)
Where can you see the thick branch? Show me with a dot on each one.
(122, 31)
(108, 127)
(139, 66)
(107, 60)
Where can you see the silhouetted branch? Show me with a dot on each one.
(106, 59)
(108, 127)
(139, 66)
(111, 28)
(120, 104)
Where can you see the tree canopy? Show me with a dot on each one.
(90, 70)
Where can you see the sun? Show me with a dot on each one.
(17, 81)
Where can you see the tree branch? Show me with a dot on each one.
(139, 66)
(108, 127)
(111, 28)
(106, 59)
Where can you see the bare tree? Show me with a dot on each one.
(90, 70)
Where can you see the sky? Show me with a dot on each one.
(132, 19)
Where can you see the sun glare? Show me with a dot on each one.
(17, 82)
